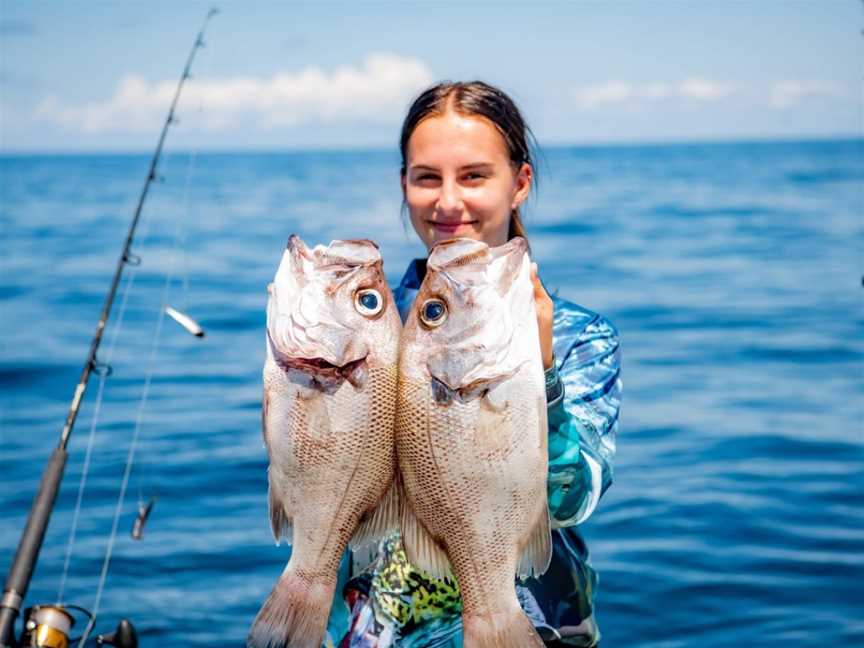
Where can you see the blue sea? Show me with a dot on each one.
(733, 271)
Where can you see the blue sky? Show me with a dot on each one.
(96, 76)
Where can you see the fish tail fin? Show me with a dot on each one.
(294, 615)
(512, 629)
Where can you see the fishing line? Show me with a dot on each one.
(179, 233)
(207, 64)
(97, 406)
(181, 236)
(130, 459)
(179, 250)
(104, 372)
(33, 534)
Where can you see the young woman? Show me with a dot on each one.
(467, 169)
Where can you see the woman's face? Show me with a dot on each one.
(459, 180)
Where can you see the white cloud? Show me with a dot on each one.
(608, 92)
(655, 91)
(777, 94)
(790, 92)
(703, 90)
(622, 92)
(374, 92)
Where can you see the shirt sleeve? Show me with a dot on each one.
(583, 396)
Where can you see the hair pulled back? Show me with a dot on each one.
(476, 98)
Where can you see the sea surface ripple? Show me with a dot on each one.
(733, 271)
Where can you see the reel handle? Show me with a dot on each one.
(123, 637)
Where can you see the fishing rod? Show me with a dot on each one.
(48, 625)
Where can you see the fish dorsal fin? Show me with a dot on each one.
(537, 552)
(349, 253)
(471, 263)
(380, 521)
(455, 253)
(420, 547)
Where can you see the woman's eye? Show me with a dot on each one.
(433, 312)
(368, 302)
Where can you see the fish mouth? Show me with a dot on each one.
(320, 366)
(326, 374)
(321, 372)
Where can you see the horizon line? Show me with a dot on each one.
(375, 148)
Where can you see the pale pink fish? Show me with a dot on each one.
(329, 397)
(471, 434)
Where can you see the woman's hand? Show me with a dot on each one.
(543, 303)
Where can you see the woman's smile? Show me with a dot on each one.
(453, 228)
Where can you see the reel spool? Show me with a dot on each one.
(48, 626)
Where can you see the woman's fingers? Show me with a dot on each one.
(534, 278)
(543, 304)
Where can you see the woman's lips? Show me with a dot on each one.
(450, 228)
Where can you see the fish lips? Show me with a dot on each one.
(320, 373)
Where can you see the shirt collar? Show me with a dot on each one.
(414, 274)
(409, 286)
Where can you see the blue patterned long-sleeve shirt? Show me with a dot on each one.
(394, 604)
(583, 421)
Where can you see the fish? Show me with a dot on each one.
(471, 435)
(330, 378)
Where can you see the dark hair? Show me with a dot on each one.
(484, 100)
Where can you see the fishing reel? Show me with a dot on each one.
(49, 626)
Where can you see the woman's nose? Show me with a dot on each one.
(449, 199)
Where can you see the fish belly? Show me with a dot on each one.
(332, 462)
(475, 475)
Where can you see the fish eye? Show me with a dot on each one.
(368, 302)
(433, 312)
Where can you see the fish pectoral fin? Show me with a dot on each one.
(537, 552)
(381, 520)
(279, 521)
(421, 549)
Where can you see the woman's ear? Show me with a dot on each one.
(403, 180)
(524, 177)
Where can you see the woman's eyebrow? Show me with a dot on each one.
(477, 166)
(473, 166)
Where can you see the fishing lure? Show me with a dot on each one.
(55, 620)
(141, 520)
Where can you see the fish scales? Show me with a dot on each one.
(471, 435)
(346, 429)
(328, 410)
(473, 474)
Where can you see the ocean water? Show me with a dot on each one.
(733, 271)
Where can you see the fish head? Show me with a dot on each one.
(473, 323)
(330, 313)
